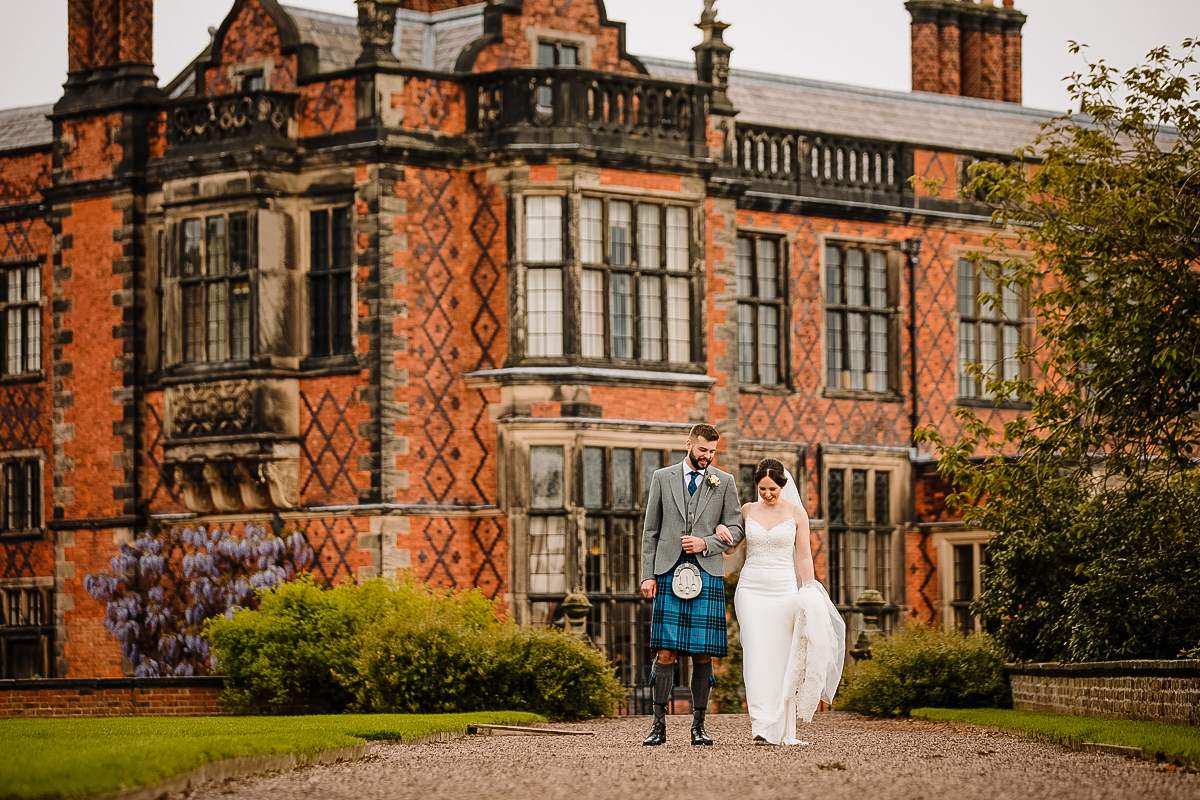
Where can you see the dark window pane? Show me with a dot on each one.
(964, 572)
(855, 278)
(678, 456)
(253, 82)
(835, 347)
(858, 497)
(342, 243)
(546, 477)
(239, 243)
(622, 479)
(342, 314)
(746, 343)
(623, 556)
(837, 497)
(883, 495)
(320, 242)
(193, 323)
(620, 227)
(595, 561)
(651, 462)
(768, 345)
(593, 477)
(568, 55)
(621, 313)
(966, 287)
(547, 54)
(746, 489)
(319, 300)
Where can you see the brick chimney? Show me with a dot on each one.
(967, 48)
(110, 51)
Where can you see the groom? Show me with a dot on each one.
(680, 548)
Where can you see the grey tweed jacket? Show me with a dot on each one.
(666, 520)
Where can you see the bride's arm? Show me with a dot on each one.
(804, 559)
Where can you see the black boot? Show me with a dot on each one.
(658, 733)
(662, 681)
(702, 680)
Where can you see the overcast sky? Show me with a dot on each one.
(862, 42)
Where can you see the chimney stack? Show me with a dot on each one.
(966, 48)
(110, 52)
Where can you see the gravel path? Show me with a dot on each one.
(849, 757)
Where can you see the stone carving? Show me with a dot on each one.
(376, 30)
(212, 409)
(195, 493)
(255, 493)
(283, 479)
(225, 493)
(710, 12)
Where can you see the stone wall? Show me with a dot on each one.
(1155, 691)
(111, 697)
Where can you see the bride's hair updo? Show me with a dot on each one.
(770, 468)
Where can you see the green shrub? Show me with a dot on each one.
(402, 648)
(926, 667)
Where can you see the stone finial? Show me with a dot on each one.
(576, 607)
(870, 604)
(377, 30)
(712, 57)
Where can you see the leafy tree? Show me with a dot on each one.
(1093, 495)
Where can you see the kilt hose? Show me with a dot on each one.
(690, 626)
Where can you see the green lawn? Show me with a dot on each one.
(1175, 741)
(62, 758)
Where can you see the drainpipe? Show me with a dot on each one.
(912, 249)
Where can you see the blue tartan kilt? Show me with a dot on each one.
(690, 626)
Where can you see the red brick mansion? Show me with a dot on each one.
(443, 284)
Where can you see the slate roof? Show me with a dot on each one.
(960, 123)
(25, 127)
(427, 41)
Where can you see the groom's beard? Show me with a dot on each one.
(699, 464)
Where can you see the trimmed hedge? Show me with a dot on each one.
(402, 648)
(922, 667)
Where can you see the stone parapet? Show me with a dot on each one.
(111, 697)
(1154, 691)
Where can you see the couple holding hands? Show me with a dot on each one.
(793, 639)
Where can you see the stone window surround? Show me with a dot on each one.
(8, 457)
(514, 490)
(1028, 324)
(585, 43)
(894, 264)
(21, 263)
(784, 241)
(573, 192)
(305, 255)
(943, 544)
(170, 254)
(894, 460)
(236, 72)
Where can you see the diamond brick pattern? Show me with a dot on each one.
(335, 547)
(18, 559)
(14, 238)
(327, 448)
(21, 415)
(162, 488)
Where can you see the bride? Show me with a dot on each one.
(793, 639)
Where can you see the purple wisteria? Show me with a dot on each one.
(162, 634)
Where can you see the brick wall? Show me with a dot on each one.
(1154, 691)
(117, 697)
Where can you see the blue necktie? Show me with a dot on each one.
(692, 483)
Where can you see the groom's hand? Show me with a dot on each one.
(693, 544)
(649, 587)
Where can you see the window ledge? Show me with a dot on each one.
(24, 377)
(593, 376)
(344, 364)
(984, 402)
(31, 533)
(852, 394)
(778, 390)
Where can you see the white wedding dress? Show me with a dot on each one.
(793, 640)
